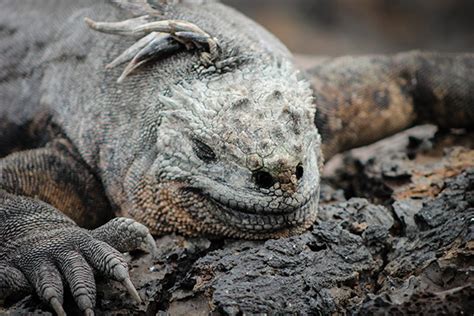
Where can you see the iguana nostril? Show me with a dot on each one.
(263, 179)
(299, 171)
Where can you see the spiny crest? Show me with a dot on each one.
(268, 87)
(256, 110)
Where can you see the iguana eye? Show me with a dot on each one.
(203, 151)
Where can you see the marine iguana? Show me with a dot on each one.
(212, 129)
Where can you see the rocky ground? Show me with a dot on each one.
(395, 235)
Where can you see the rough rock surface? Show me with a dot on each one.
(397, 236)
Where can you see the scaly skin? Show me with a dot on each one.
(363, 99)
(215, 137)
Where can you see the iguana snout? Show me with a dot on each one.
(282, 172)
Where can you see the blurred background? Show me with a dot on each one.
(340, 27)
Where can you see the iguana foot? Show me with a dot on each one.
(158, 38)
(40, 261)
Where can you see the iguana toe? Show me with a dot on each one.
(43, 261)
(47, 282)
(80, 278)
(125, 234)
(12, 282)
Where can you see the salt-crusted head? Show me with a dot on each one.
(238, 155)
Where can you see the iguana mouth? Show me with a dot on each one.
(245, 217)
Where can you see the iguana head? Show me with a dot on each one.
(237, 155)
(227, 144)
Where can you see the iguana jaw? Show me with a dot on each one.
(173, 206)
(247, 221)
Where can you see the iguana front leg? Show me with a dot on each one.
(360, 100)
(40, 246)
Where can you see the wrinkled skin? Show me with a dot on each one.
(229, 173)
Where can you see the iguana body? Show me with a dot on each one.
(226, 147)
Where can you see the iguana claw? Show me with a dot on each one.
(58, 308)
(71, 255)
(158, 38)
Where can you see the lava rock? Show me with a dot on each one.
(394, 235)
